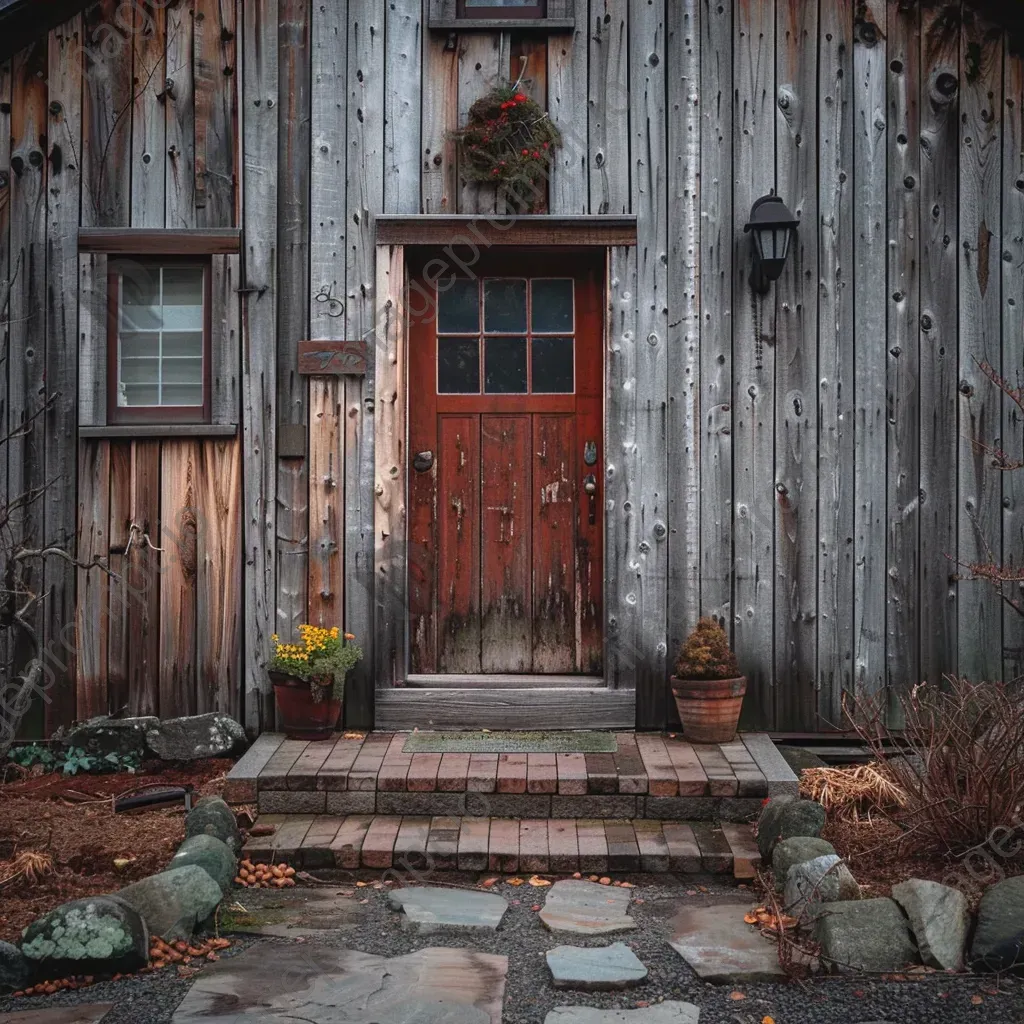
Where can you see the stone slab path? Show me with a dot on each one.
(669, 1012)
(595, 968)
(429, 908)
(306, 912)
(89, 1014)
(339, 986)
(586, 908)
(506, 845)
(721, 947)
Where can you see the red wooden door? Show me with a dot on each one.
(505, 451)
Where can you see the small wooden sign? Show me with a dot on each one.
(332, 358)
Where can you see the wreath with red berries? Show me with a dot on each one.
(509, 140)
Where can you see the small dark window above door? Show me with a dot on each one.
(501, 9)
(485, 15)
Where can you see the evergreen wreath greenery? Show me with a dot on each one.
(509, 140)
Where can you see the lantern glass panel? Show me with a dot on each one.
(782, 236)
(766, 242)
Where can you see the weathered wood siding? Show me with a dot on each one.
(797, 464)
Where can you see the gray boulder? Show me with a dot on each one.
(195, 737)
(998, 943)
(15, 969)
(784, 817)
(939, 919)
(824, 879)
(865, 935)
(795, 851)
(173, 903)
(212, 817)
(103, 735)
(98, 935)
(210, 854)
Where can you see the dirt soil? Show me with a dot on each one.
(71, 819)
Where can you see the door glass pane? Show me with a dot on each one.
(504, 305)
(553, 366)
(458, 306)
(505, 366)
(458, 366)
(552, 304)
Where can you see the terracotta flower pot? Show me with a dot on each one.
(709, 708)
(301, 717)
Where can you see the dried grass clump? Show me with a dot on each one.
(852, 794)
(30, 866)
(959, 763)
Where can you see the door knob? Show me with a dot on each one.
(422, 461)
(590, 489)
(590, 484)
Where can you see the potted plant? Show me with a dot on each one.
(309, 680)
(707, 685)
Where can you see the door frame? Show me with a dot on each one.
(461, 238)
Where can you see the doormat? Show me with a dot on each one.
(511, 743)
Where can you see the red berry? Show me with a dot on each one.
(526, 152)
(520, 97)
(536, 155)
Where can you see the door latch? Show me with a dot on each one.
(590, 490)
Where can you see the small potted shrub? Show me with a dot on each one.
(309, 680)
(707, 685)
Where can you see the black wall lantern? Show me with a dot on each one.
(772, 227)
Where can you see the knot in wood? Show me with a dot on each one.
(659, 530)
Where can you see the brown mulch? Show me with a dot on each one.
(71, 819)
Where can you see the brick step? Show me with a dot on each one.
(507, 845)
(648, 776)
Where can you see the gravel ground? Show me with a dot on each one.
(151, 999)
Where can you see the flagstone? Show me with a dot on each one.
(88, 1014)
(587, 908)
(340, 986)
(668, 1012)
(293, 912)
(721, 947)
(595, 968)
(428, 908)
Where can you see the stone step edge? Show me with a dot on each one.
(506, 845)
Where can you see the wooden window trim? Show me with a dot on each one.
(163, 242)
(169, 416)
(537, 11)
(546, 230)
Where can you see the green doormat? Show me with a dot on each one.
(510, 743)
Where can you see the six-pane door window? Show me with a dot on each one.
(506, 336)
(160, 342)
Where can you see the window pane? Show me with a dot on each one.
(505, 366)
(183, 299)
(177, 343)
(181, 394)
(134, 345)
(504, 305)
(553, 366)
(140, 371)
(458, 307)
(140, 299)
(500, 3)
(458, 366)
(183, 371)
(138, 394)
(552, 304)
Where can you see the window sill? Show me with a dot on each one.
(502, 24)
(122, 430)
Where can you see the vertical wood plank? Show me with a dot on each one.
(684, 331)
(980, 632)
(27, 391)
(61, 374)
(869, 299)
(528, 56)
(649, 548)
(796, 419)
(753, 362)
(6, 276)
(1012, 430)
(149, 131)
(326, 501)
(92, 339)
(902, 343)
(483, 64)
(940, 437)
(293, 208)
(506, 550)
(403, 63)
(226, 357)
(835, 362)
(440, 100)
(365, 199)
(608, 102)
(259, 97)
(180, 109)
(143, 580)
(714, 399)
(119, 638)
(215, 58)
(389, 486)
(218, 581)
(107, 119)
(569, 190)
(93, 591)
(179, 504)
